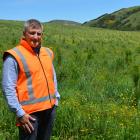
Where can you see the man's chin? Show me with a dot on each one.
(35, 45)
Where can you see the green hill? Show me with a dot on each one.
(64, 22)
(98, 72)
(123, 19)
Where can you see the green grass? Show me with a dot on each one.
(98, 74)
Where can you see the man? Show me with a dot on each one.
(29, 84)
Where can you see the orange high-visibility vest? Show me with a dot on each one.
(35, 86)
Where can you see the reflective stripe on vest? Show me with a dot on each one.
(27, 73)
(48, 51)
(37, 100)
(32, 99)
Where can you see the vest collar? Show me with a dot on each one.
(25, 44)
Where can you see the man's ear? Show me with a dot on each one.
(42, 36)
(23, 33)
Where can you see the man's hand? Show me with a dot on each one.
(26, 124)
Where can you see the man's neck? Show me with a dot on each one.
(36, 49)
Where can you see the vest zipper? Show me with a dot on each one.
(45, 78)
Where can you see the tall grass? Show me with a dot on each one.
(98, 74)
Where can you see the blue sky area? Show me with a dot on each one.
(74, 10)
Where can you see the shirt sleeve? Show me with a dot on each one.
(56, 89)
(9, 80)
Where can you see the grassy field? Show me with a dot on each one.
(98, 73)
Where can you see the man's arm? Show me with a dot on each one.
(56, 89)
(9, 80)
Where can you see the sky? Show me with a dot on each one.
(73, 10)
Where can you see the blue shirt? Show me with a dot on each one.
(9, 80)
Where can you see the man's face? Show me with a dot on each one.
(33, 37)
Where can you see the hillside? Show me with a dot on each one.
(123, 19)
(64, 22)
(98, 72)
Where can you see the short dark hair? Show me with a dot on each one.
(32, 23)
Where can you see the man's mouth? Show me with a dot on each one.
(34, 43)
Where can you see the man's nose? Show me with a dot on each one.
(35, 36)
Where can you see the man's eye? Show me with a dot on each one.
(39, 34)
(33, 33)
